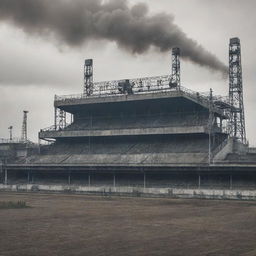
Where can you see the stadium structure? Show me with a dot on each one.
(146, 132)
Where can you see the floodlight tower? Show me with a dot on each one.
(10, 131)
(88, 77)
(237, 120)
(175, 78)
(24, 132)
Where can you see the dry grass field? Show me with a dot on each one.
(65, 225)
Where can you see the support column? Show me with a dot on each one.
(5, 176)
(199, 181)
(39, 146)
(28, 177)
(144, 181)
(230, 181)
(89, 180)
(1, 169)
(55, 117)
(69, 179)
(114, 180)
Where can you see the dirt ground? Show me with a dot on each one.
(90, 225)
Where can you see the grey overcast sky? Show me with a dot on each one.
(35, 67)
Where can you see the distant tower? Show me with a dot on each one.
(24, 134)
(88, 77)
(237, 120)
(10, 130)
(175, 78)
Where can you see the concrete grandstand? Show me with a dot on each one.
(159, 138)
(138, 132)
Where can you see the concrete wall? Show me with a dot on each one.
(131, 191)
(223, 150)
(121, 132)
(152, 158)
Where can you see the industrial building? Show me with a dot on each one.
(146, 132)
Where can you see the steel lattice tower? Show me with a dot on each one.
(88, 77)
(24, 134)
(60, 119)
(175, 78)
(237, 120)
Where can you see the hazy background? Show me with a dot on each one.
(34, 69)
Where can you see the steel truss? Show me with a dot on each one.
(88, 77)
(24, 132)
(237, 119)
(60, 121)
(175, 77)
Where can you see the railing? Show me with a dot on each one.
(14, 140)
(177, 119)
(110, 88)
(51, 128)
(140, 86)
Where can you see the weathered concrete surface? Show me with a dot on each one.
(224, 151)
(120, 132)
(137, 191)
(161, 94)
(117, 98)
(121, 159)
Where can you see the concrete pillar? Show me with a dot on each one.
(144, 181)
(1, 169)
(199, 181)
(39, 146)
(28, 177)
(231, 181)
(114, 180)
(69, 179)
(89, 180)
(5, 176)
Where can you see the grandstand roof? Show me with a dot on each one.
(74, 103)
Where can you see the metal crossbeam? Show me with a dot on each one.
(237, 119)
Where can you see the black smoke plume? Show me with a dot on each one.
(131, 27)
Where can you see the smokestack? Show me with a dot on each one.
(130, 27)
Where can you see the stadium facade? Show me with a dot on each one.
(148, 132)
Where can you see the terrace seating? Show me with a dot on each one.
(162, 150)
(102, 123)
